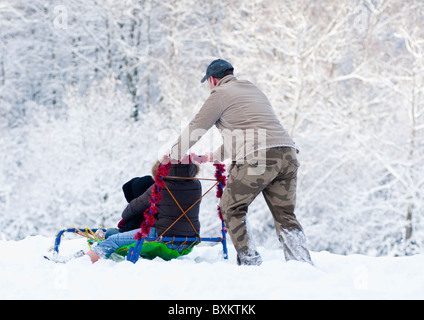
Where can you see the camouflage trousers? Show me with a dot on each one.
(274, 174)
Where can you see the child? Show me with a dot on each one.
(132, 189)
(185, 191)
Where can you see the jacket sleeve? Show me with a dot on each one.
(207, 116)
(137, 206)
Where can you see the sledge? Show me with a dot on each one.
(147, 247)
(152, 247)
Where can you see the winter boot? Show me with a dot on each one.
(58, 259)
(294, 245)
(246, 258)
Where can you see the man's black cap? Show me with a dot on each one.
(217, 69)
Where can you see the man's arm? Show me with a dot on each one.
(207, 116)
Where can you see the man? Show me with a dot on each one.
(263, 155)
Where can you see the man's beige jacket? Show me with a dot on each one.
(243, 116)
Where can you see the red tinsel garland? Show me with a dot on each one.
(222, 182)
(156, 197)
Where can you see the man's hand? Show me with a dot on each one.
(197, 158)
(209, 156)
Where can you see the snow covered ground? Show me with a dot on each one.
(25, 274)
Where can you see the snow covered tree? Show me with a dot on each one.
(87, 87)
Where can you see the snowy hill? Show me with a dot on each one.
(203, 274)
